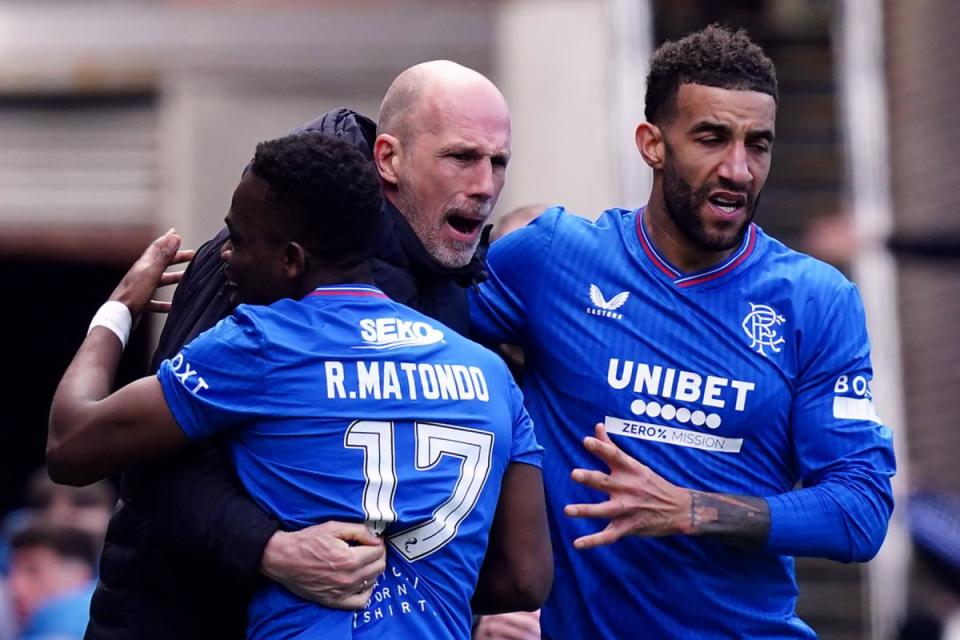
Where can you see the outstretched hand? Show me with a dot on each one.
(640, 502)
(149, 272)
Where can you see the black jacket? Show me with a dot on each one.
(182, 553)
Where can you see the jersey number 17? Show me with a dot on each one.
(433, 441)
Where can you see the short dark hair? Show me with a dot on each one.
(715, 57)
(326, 196)
(66, 542)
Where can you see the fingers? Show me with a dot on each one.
(164, 248)
(601, 432)
(606, 451)
(607, 536)
(353, 601)
(607, 510)
(185, 255)
(171, 277)
(365, 592)
(368, 561)
(163, 306)
(520, 625)
(593, 479)
(355, 532)
(355, 594)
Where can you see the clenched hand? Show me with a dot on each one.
(335, 563)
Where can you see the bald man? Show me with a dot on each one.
(188, 545)
(442, 153)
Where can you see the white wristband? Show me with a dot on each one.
(114, 316)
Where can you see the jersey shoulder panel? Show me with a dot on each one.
(806, 274)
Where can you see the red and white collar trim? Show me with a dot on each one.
(691, 279)
(357, 290)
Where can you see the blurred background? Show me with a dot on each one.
(119, 119)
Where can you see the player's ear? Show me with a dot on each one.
(386, 154)
(294, 260)
(650, 144)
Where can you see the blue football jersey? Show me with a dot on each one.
(746, 378)
(348, 406)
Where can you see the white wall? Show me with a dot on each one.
(230, 76)
(549, 61)
(226, 77)
(212, 127)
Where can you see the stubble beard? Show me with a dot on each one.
(447, 253)
(430, 233)
(683, 204)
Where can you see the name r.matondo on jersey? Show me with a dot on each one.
(391, 380)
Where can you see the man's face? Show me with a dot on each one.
(38, 574)
(716, 161)
(452, 168)
(253, 252)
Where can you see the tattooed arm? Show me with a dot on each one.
(643, 503)
(740, 521)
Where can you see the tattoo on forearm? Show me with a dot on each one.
(741, 521)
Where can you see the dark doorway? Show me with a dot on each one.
(47, 306)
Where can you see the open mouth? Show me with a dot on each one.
(728, 203)
(464, 225)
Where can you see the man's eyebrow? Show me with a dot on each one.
(459, 148)
(722, 129)
(710, 127)
(761, 134)
(474, 150)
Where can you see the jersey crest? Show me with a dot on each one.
(761, 326)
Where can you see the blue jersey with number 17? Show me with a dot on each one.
(348, 406)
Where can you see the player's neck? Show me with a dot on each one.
(361, 274)
(674, 245)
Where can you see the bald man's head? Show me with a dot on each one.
(421, 84)
(443, 143)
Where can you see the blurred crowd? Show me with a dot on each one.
(48, 558)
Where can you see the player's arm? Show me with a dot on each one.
(517, 571)
(844, 452)
(200, 506)
(642, 503)
(93, 433)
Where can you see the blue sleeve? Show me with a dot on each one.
(525, 447)
(218, 380)
(516, 264)
(844, 452)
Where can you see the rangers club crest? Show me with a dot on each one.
(761, 326)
